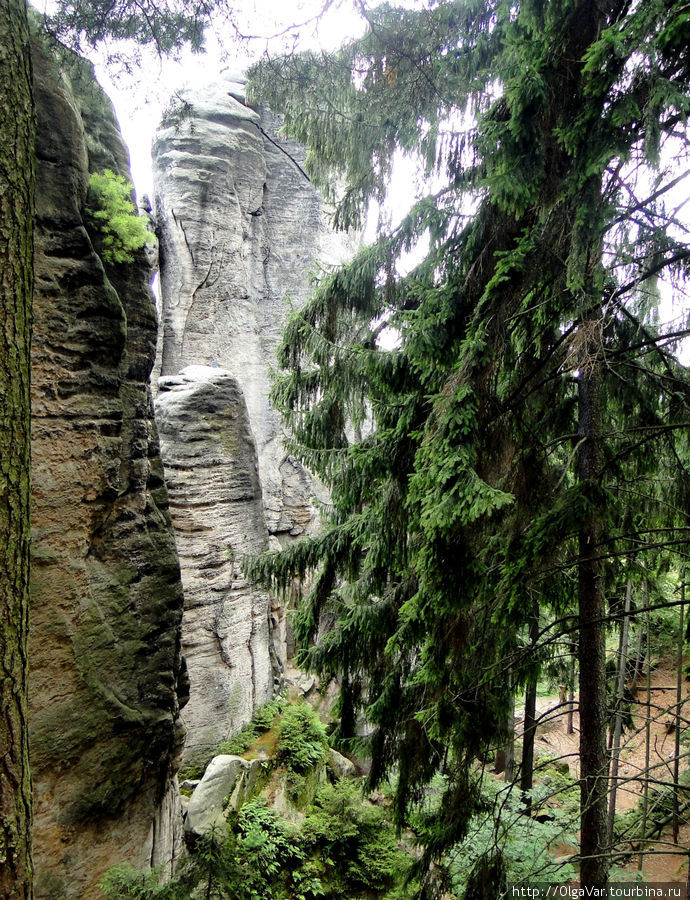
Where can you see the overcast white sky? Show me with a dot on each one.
(273, 25)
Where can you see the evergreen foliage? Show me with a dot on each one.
(345, 848)
(526, 441)
(164, 25)
(112, 212)
(302, 742)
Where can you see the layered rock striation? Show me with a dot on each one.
(215, 500)
(240, 228)
(107, 678)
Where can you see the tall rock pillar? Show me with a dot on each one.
(241, 228)
(106, 678)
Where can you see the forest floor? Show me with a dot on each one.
(553, 741)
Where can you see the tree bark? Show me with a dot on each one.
(592, 610)
(530, 721)
(617, 728)
(570, 729)
(16, 281)
(679, 704)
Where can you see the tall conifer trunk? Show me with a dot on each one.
(592, 630)
(16, 273)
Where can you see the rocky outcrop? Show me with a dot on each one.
(106, 676)
(228, 782)
(215, 500)
(241, 227)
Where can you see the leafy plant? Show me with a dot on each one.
(302, 743)
(268, 846)
(112, 213)
(354, 842)
(262, 720)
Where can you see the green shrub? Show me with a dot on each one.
(111, 211)
(122, 882)
(262, 721)
(354, 843)
(302, 743)
(240, 742)
(346, 848)
(269, 845)
(525, 840)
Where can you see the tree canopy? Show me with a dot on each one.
(526, 440)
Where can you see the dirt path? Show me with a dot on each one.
(553, 741)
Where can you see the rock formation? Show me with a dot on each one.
(106, 677)
(215, 500)
(240, 228)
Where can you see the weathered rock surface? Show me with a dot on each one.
(241, 227)
(228, 782)
(215, 499)
(341, 765)
(107, 677)
(207, 805)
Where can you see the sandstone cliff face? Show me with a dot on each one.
(107, 678)
(240, 229)
(215, 500)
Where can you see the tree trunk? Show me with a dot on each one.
(591, 612)
(571, 695)
(648, 732)
(530, 721)
(679, 703)
(617, 728)
(509, 774)
(16, 275)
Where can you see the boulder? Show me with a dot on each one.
(208, 804)
(341, 765)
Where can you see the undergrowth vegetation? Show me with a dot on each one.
(302, 743)
(343, 844)
(262, 720)
(346, 847)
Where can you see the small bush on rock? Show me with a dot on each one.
(112, 213)
(302, 743)
(262, 720)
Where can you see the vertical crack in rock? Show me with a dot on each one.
(178, 222)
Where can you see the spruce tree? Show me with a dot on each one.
(494, 445)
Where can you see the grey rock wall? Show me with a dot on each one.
(215, 500)
(240, 227)
(107, 678)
